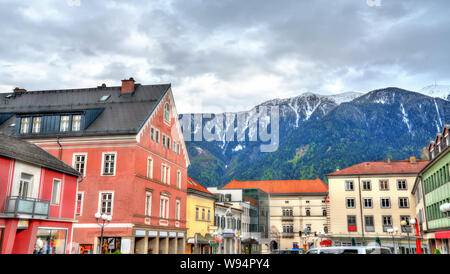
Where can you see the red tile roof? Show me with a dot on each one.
(282, 186)
(395, 167)
(194, 185)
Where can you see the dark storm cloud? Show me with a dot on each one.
(242, 52)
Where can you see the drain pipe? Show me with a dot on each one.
(60, 147)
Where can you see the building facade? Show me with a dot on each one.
(369, 199)
(127, 143)
(297, 210)
(227, 218)
(37, 200)
(431, 191)
(200, 219)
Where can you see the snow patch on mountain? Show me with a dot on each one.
(405, 118)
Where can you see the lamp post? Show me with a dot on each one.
(102, 220)
(405, 225)
(391, 231)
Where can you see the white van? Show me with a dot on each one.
(350, 250)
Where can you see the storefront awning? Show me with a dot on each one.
(442, 234)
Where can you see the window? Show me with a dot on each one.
(56, 191)
(164, 207)
(179, 179)
(350, 202)
(197, 210)
(366, 185)
(64, 123)
(385, 203)
(148, 203)
(351, 223)
(369, 224)
(106, 202)
(308, 212)
(109, 160)
(79, 204)
(406, 228)
(36, 125)
(165, 174)
(209, 215)
(24, 125)
(157, 136)
(177, 210)
(152, 133)
(79, 163)
(25, 185)
(174, 148)
(167, 112)
(76, 122)
(324, 212)
(368, 203)
(149, 167)
(178, 149)
(349, 186)
(401, 185)
(164, 140)
(384, 185)
(168, 142)
(387, 222)
(203, 214)
(403, 202)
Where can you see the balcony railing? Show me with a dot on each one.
(287, 218)
(287, 234)
(36, 208)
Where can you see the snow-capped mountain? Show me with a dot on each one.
(440, 91)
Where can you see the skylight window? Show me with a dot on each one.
(105, 97)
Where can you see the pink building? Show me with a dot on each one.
(37, 200)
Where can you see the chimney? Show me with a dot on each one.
(127, 86)
(412, 160)
(389, 160)
(19, 90)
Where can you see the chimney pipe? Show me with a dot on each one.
(127, 86)
(389, 160)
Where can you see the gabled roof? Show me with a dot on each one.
(372, 168)
(118, 114)
(282, 186)
(18, 149)
(193, 186)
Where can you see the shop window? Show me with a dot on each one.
(50, 241)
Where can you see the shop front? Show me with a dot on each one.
(50, 241)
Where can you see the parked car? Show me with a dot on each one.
(350, 250)
(288, 251)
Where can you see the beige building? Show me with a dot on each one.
(297, 212)
(369, 200)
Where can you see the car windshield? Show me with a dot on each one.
(339, 251)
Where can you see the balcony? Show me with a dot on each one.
(287, 218)
(27, 207)
(287, 234)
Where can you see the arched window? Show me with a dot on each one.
(167, 112)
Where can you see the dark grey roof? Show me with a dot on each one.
(121, 114)
(18, 149)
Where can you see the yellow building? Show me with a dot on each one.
(199, 219)
(368, 202)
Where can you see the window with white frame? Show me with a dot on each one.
(76, 122)
(384, 185)
(109, 163)
(157, 135)
(167, 112)
(366, 185)
(149, 167)
(174, 147)
(79, 163)
(152, 133)
(79, 203)
(24, 125)
(36, 128)
(368, 203)
(25, 185)
(403, 202)
(164, 140)
(164, 207)
(178, 149)
(56, 192)
(350, 203)
(106, 202)
(64, 123)
(179, 179)
(148, 203)
(387, 222)
(165, 174)
(177, 209)
(349, 185)
(385, 203)
(168, 142)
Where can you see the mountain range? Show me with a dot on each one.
(321, 133)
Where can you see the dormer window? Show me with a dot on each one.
(432, 154)
(24, 125)
(167, 112)
(76, 122)
(36, 125)
(64, 123)
(439, 146)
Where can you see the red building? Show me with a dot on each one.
(37, 199)
(127, 143)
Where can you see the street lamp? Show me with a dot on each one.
(445, 208)
(392, 231)
(102, 220)
(405, 225)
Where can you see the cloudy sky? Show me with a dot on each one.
(225, 55)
